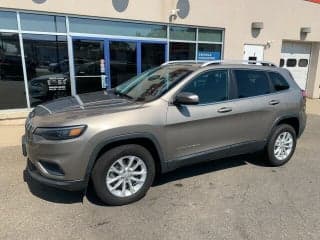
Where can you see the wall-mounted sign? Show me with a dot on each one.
(208, 56)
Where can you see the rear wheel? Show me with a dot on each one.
(281, 145)
(123, 175)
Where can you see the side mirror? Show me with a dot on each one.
(186, 98)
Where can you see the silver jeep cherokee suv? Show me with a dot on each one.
(177, 114)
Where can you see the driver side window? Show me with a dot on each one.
(211, 86)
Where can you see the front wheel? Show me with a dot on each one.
(281, 145)
(123, 174)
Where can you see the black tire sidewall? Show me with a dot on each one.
(103, 164)
(273, 161)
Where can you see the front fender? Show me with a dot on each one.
(130, 136)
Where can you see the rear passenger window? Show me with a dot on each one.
(251, 83)
(291, 62)
(278, 82)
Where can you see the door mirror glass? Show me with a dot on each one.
(186, 98)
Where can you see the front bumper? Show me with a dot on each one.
(34, 174)
(53, 154)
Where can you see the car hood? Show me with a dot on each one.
(83, 105)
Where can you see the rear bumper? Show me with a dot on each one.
(34, 174)
(303, 123)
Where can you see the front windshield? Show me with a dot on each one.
(153, 83)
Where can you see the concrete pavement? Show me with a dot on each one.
(237, 198)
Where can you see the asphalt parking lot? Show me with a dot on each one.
(237, 198)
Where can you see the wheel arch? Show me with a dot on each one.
(144, 139)
(292, 120)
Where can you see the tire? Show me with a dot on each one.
(108, 167)
(271, 156)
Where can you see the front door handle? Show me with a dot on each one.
(274, 102)
(225, 110)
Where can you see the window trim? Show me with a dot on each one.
(272, 85)
(235, 85)
(229, 86)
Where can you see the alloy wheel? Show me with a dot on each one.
(283, 146)
(126, 176)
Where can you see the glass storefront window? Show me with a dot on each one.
(209, 52)
(95, 26)
(89, 65)
(8, 20)
(47, 65)
(123, 61)
(182, 33)
(182, 51)
(210, 35)
(12, 88)
(152, 55)
(43, 23)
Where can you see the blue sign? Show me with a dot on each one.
(208, 56)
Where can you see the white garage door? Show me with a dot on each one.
(296, 58)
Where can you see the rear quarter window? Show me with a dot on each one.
(251, 83)
(278, 81)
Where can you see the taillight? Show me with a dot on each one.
(304, 94)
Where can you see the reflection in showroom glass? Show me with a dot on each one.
(11, 75)
(47, 66)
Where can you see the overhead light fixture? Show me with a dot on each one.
(305, 30)
(173, 14)
(257, 25)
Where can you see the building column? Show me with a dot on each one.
(313, 84)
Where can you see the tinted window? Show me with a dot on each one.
(8, 20)
(279, 83)
(182, 51)
(281, 62)
(96, 26)
(210, 86)
(47, 65)
(303, 62)
(251, 83)
(183, 33)
(210, 35)
(291, 62)
(88, 58)
(12, 90)
(43, 23)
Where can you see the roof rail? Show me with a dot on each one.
(263, 63)
(208, 63)
(181, 61)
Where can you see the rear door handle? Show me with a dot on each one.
(225, 110)
(274, 102)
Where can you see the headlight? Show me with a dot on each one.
(60, 133)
